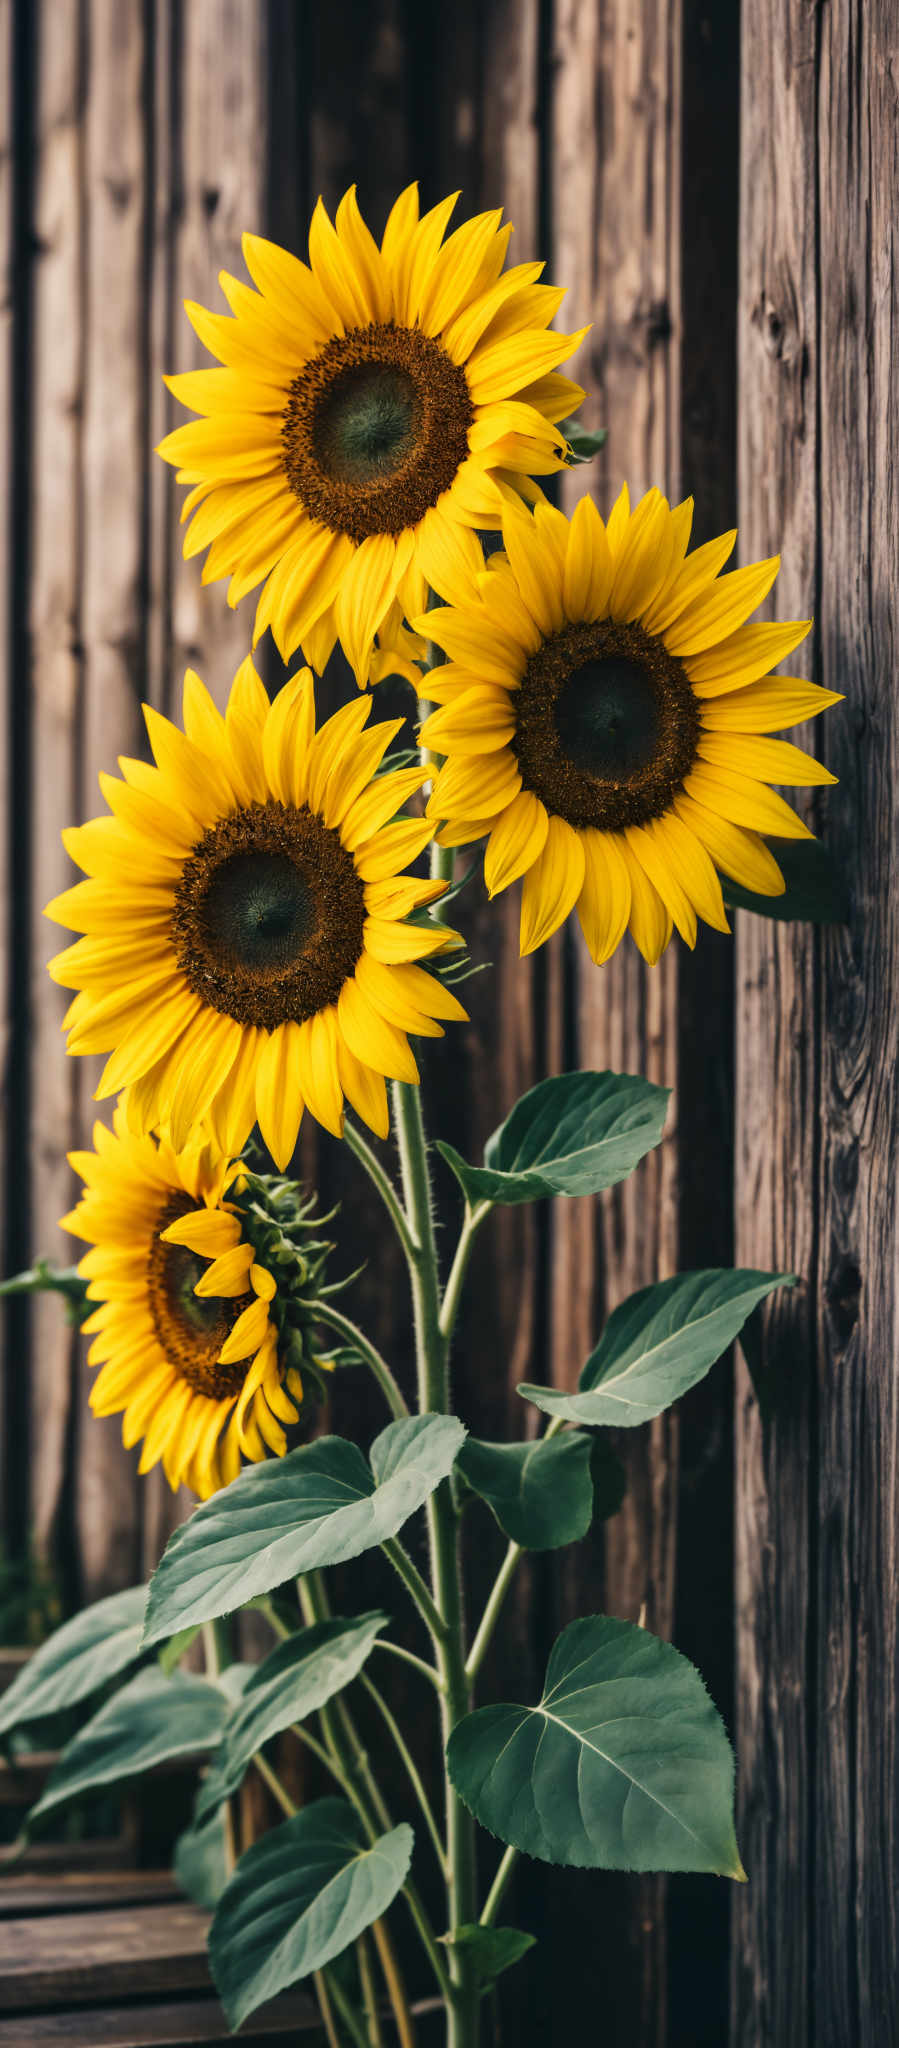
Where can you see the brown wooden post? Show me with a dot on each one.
(816, 1932)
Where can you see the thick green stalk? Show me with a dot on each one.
(432, 1355)
(334, 1319)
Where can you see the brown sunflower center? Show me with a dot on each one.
(269, 916)
(606, 725)
(375, 429)
(191, 1328)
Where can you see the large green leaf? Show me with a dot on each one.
(319, 1505)
(657, 1344)
(569, 1136)
(815, 893)
(297, 1899)
(200, 1861)
(295, 1680)
(540, 1493)
(77, 1659)
(623, 1765)
(151, 1719)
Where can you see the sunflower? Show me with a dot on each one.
(604, 713)
(186, 1333)
(372, 410)
(245, 947)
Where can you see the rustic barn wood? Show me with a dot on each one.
(143, 138)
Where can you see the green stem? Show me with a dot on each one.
(360, 1786)
(471, 1225)
(369, 1993)
(492, 1902)
(417, 1587)
(410, 1766)
(432, 1355)
(408, 1657)
(216, 1640)
(377, 1365)
(382, 1181)
(490, 1616)
(351, 2022)
(321, 1992)
(272, 1780)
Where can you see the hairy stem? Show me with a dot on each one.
(377, 1365)
(492, 1901)
(409, 1765)
(381, 1180)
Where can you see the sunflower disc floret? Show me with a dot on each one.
(604, 715)
(247, 950)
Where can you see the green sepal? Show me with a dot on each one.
(297, 1899)
(582, 444)
(571, 1135)
(43, 1278)
(816, 891)
(656, 1344)
(624, 1764)
(540, 1493)
(492, 1949)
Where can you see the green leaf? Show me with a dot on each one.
(657, 1344)
(540, 1493)
(77, 1659)
(623, 1765)
(571, 1135)
(200, 1862)
(583, 444)
(296, 1679)
(171, 1653)
(151, 1719)
(493, 1949)
(317, 1506)
(297, 1899)
(816, 891)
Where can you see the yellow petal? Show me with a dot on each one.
(604, 904)
(208, 1232)
(551, 886)
(650, 852)
(588, 565)
(516, 841)
(693, 866)
(770, 760)
(391, 941)
(536, 574)
(319, 1079)
(369, 1036)
(719, 612)
(477, 721)
(744, 802)
(744, 656)
(377, 804)
(279, 1099)
(247, 1334)
(366, 592)
(649, 921)
(364, 1089)
(227, 1275)
(767, 706)
(742, 855)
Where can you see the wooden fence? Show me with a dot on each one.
(717, 195)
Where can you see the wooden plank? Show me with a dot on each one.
(855, 1900)
(163, 2025)
(79, 1957)
(54, 621)
(221, 62)
(7, 613)
(614, 200)
(778, 1099)
(23, 1897)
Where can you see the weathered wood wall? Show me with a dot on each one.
(137, 139)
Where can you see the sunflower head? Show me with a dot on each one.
(202, 1351)
(604, 714)
(246, 946)
(372, 409)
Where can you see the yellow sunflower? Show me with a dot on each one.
(186, 1333)
(246, 950)
(373, 408)
(604, 713)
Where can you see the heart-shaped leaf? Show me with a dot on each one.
(623, 1765)
(297, 1678)
(815, 892)
(540, 1493)
(153, 1718)
(77, 1659)
(571, 1135)
(297, 1899)
(317, 1506)
(492, 1949)
(657, 1344)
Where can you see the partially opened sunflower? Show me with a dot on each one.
(186, 1333)
(246, 949)
(604, 714)
(373, 409)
